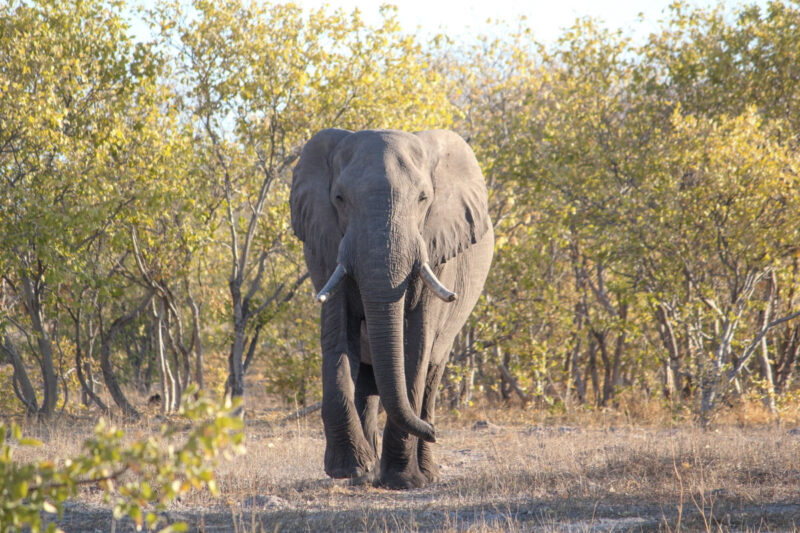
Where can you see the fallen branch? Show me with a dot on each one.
(305, 411)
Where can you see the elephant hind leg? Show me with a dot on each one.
(427, 465)
(367, 402)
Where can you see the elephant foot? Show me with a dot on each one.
(427, 465)
(430, 471)
(401, 480)
(347, 462)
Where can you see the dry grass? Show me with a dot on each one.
(502, 469)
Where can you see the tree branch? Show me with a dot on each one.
(289, 295)
(252, 226)
(525, 397)
(756, 341)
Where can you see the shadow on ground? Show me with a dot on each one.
(271, 513)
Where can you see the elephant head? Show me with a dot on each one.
(382, 207)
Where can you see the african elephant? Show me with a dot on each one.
(388, 221)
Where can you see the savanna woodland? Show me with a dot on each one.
(645, 195)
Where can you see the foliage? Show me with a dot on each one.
(643, 199)
(137, 477)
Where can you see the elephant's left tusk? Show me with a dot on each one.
(332, 284)
(433, 283)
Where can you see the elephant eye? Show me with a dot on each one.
(339, 198)
(422, 197)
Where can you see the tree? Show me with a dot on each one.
(259, 81)
(589, 148)
(720, 228)
(73, 87)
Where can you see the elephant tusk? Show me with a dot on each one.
(333, 283)
(433, 283)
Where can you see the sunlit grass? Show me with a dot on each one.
(503, 468)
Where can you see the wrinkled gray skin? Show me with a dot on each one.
(382, 203)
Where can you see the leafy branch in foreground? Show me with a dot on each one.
(139, 477)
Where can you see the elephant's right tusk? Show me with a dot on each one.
(333, 283)
(433, 283)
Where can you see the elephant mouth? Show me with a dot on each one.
(425, 272)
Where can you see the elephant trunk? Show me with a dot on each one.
(385, 329)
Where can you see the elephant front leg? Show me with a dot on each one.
(347, 452)
(399, 468)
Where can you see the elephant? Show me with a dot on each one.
(398, 243)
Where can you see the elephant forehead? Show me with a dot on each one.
(393, 156)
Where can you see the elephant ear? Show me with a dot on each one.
(314, 218)
(458, 216)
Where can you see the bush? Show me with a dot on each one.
(138, 478)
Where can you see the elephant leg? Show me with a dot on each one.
(367, 401)
(347, 452)
(399, 467)
(425, 451)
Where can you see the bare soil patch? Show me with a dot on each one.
(513, 477)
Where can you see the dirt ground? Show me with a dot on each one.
(506, 477)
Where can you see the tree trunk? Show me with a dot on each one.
(580, 383)
(503, 360)
(137, 356)
(252, 348)
(591, 369)
(509, 378)
(143, 359)
(669, 380)
(164, 374)
(789, 353)
(84, 369)
(109, 377)
(763, 353)
(197, 342)
(152, 358)
(22, 383)
(182, 365)
(619, 349)
(172, 364)
(235, 362)
(469, 381)
(672, 376)
(788, 347)
(33, 304)
(766, 374)
(607, 390)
